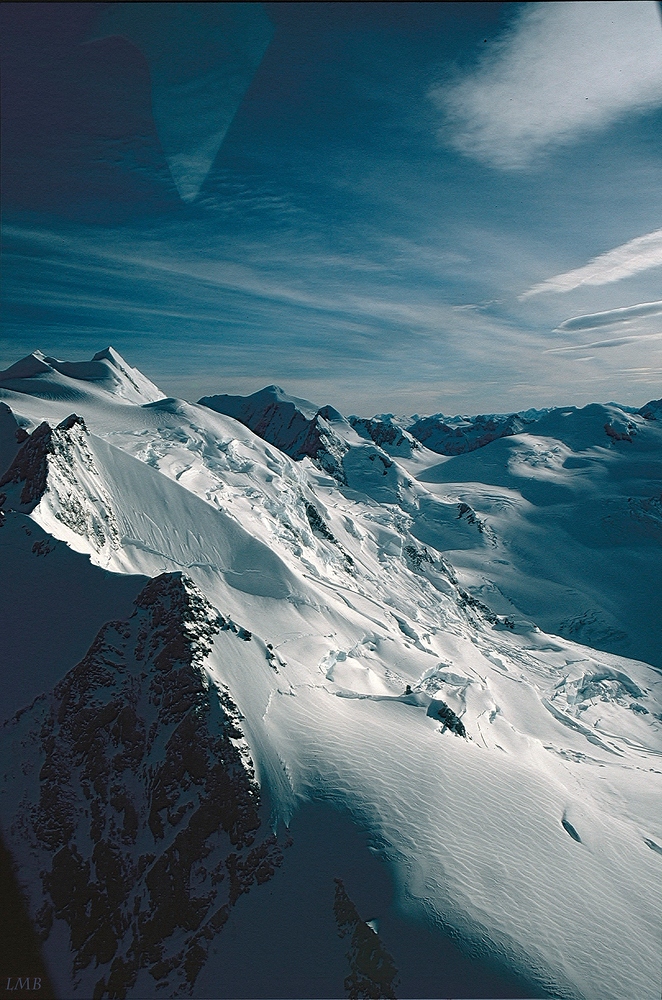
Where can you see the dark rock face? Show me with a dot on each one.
(49, 461)
(324, 447)
(621, 434)
(372, 970)
(277, 419)
(387, 434)
(475, 608)
(320, 528)
(30, 466)
(317, 523)
(20, 944)
(418, 557)
(468, 435)
(450, 720)
(143, 824)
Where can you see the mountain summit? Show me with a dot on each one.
(50, 378)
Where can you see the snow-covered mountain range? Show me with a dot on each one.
(304, 705)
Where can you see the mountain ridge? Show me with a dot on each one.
(129, 734)
(407, 653)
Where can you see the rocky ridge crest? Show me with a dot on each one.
(138, 813)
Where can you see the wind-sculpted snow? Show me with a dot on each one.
(136, 814)
(438, 645)
(469, 818)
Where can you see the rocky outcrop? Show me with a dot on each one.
(57, 463)
(372, 969)
(319, 527)
(137, 821)
(324, 447)
(386, 433)
(455, 436)
(294, 426)
(30, 467)
(652, 410)
(449, 720)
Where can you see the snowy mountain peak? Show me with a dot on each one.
(322, 434)
(29, 366)
(139, 799)
(247, 407)
(386, 432)
(294, 425)
(108, 372)
(54, 478)
(652, 410)
(110, 354)
(435, 644)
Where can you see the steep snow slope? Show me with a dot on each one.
(336, 446)
(615, 605)
(525, 836)
(294, 425)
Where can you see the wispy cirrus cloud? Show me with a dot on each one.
(348, 330)
(630, 258)
(611, 317)
(600, 344)
(562, 70)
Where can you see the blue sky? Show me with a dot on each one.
(389, 207)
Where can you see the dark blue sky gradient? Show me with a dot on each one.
(341, 245)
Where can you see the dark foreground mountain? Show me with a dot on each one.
(138, 810)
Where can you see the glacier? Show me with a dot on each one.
(427, 646)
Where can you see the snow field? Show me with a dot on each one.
(531, 838)
(480, 837)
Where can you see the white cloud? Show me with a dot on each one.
(616, 342)
(611, 317)
(630, 258)
(562, 70)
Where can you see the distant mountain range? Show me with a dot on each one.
(299, 704)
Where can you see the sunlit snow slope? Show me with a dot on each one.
(436, 644)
